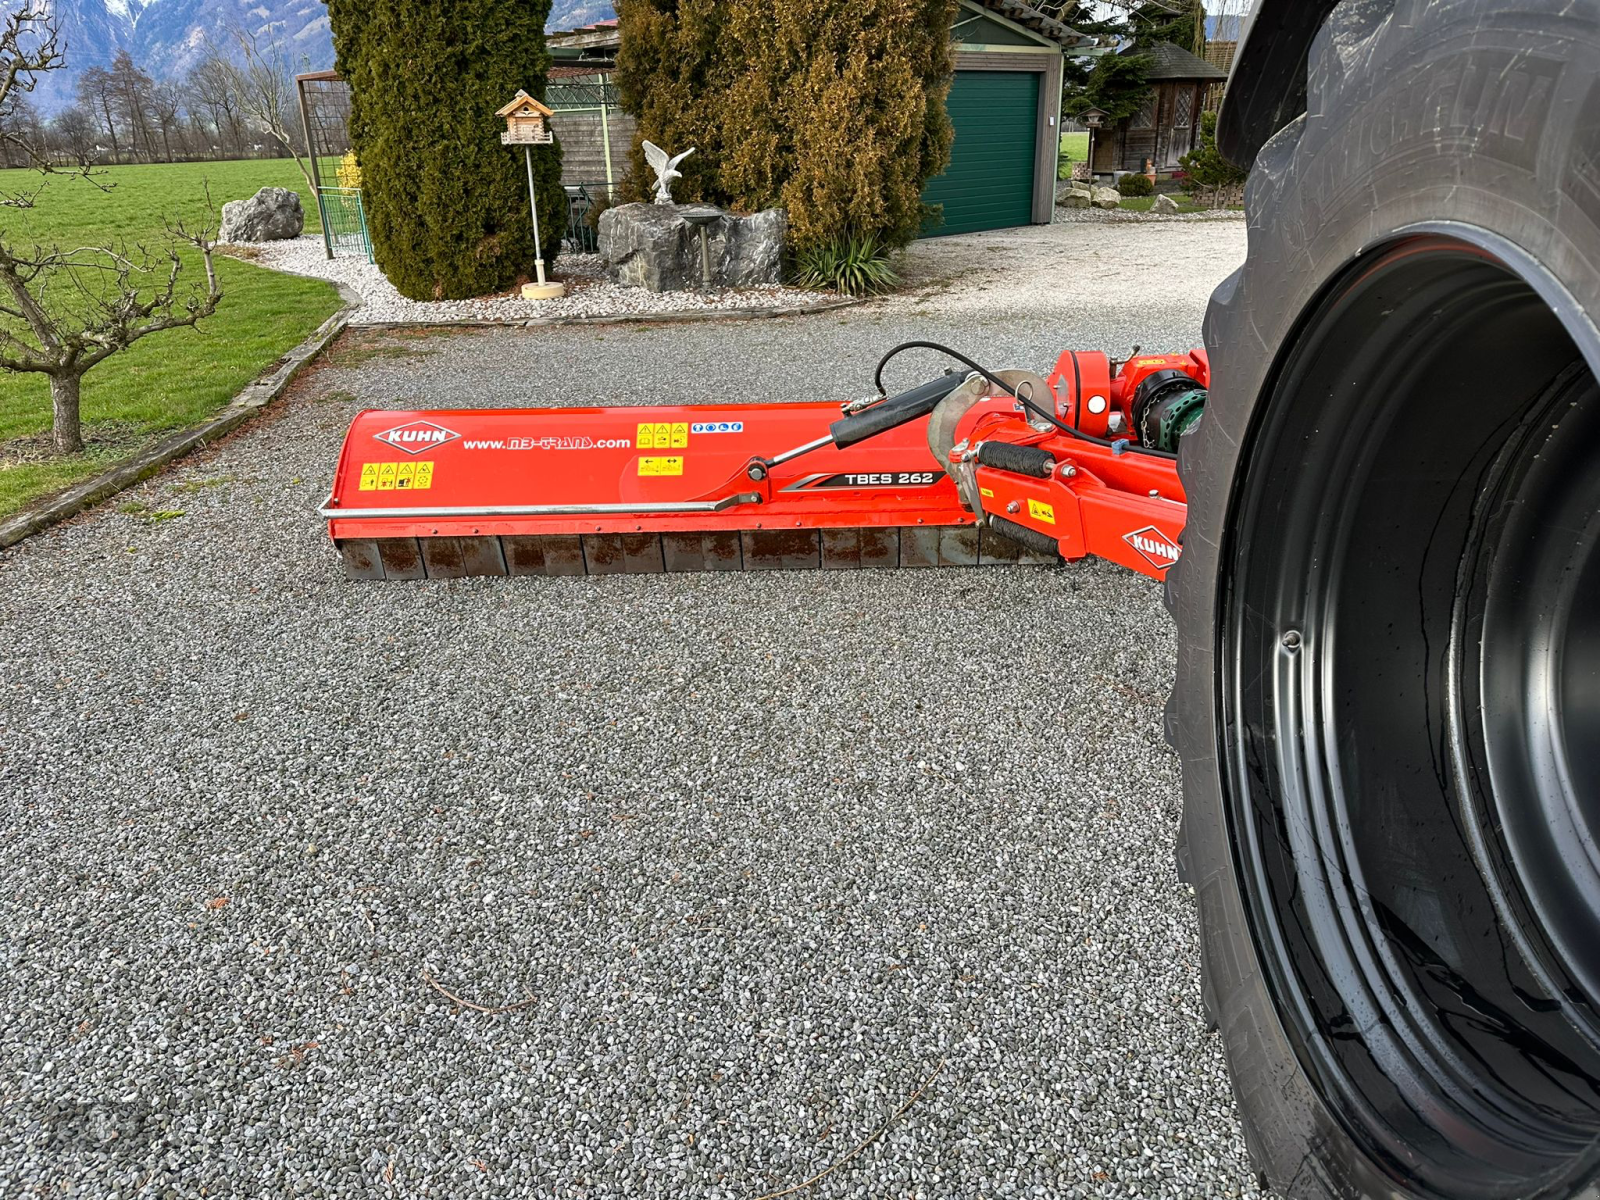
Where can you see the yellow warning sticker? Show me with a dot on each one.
(1040, 511)
(396, 477)
(986, 493)
(661, 466)
(664, 435)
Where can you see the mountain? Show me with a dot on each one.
(167, 37)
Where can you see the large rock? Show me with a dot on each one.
(1165, 205)
(657, 246)
(1076, 195)
(1106, 197)
(271, 215)
(750, 251)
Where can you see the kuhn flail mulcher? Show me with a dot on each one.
(1388, 597)
(971, 467)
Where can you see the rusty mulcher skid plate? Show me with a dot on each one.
(651, 554)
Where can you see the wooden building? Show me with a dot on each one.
(1168, 125)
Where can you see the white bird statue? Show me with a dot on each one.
(666, 169)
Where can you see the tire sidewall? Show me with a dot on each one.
(1450, 116)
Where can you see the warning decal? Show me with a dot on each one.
(396, 477)
(661, 466)
(664, 435)
(1040, 511)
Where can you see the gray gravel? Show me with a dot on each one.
(589, 292)
(759, 852)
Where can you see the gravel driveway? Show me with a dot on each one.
(752, 855)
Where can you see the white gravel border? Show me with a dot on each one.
(589, 293)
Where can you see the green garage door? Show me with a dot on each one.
(989, 182)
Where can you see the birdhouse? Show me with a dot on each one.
(526, 122)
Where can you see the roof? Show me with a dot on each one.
(1031, 18)
(1168, 61)
(601, 33)
(523, 103)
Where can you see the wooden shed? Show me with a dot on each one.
(1168, 125)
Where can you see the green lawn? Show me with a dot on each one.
(1146, 203)
(168, 380)
(1075, 146)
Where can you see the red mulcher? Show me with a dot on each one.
(967, 469)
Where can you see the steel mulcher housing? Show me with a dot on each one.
(967, 469)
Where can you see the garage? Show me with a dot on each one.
(989, 183)
(1004, 103)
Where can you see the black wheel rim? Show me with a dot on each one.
(1411, 696)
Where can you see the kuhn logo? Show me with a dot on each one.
(1155, 547)
(416, 437)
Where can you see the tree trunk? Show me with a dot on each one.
(66, 426)
(111, 127)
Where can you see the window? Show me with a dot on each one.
(1145, 118)
(1183, 116)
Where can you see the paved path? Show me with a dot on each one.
(753, 855)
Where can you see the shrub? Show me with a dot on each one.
(856, 264)
(599, 201)
(350, 171)
(834, 109)
(1136, 185)
(1213, 179)
(447, 204)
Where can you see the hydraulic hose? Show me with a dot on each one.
(1026, 402)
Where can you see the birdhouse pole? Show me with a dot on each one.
(533, 205)
(526, 126)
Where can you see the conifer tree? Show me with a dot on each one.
(834, 109)
(447, 204)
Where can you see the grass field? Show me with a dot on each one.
(1146, 203)
(1075, 146)
(171, 379)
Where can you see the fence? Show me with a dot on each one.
(596, 135)
(583, 237)
(344, 222)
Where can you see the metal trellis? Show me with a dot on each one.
(325, 114)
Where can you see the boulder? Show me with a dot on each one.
(1105, 197)
(1165, 205)
(750, 248)
(657, 246)
(1074, 199)
(647, 246)
(271, 215)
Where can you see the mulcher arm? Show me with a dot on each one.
(965, 469)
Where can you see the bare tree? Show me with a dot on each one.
(131, 88)
(211, 86)
(166, 102)
(97, 92)
(65, 311)
(264, 85)
(73, 134)
(105, 312)
(19, 127)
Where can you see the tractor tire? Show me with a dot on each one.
(1388, 613)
